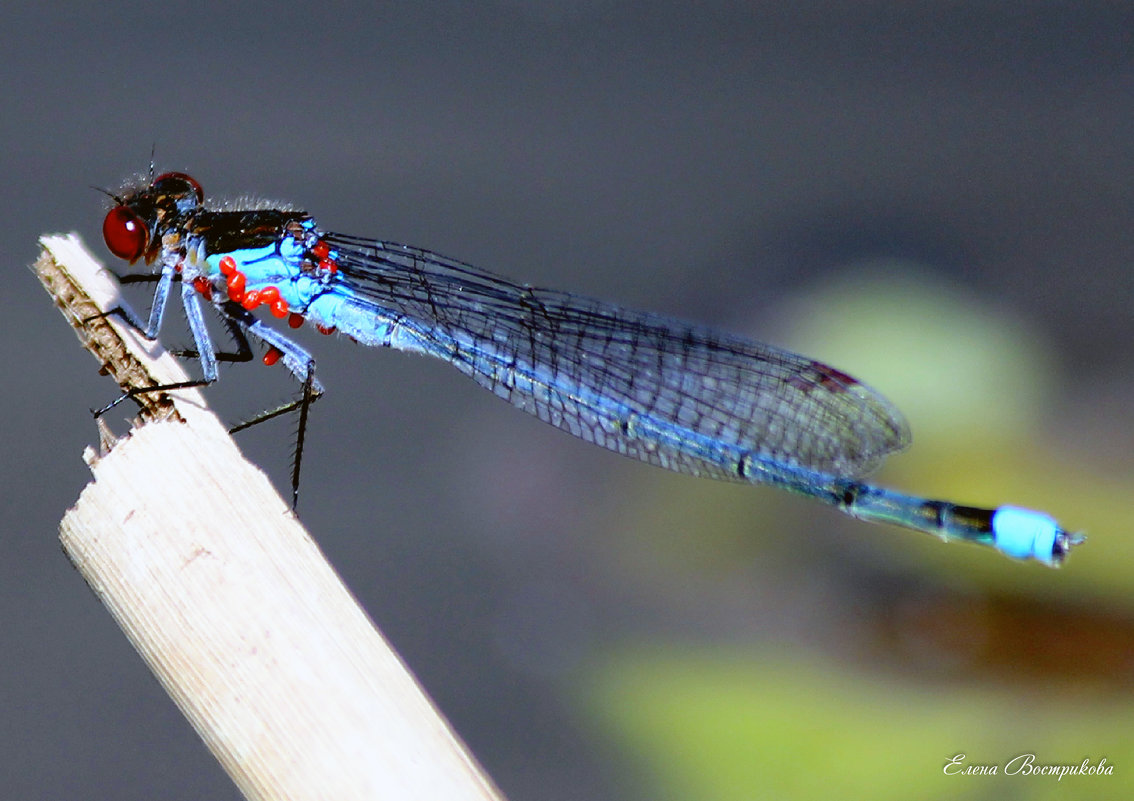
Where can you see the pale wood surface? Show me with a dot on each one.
(231, 603)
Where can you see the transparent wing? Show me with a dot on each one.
(608, 375)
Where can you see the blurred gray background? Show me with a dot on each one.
(750, 165)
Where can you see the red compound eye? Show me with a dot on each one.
(180, 177)
(125, 233)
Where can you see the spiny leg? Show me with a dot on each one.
(308, 398)
(300, 364)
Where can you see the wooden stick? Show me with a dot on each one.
(231, 603)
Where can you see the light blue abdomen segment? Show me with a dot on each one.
(1024, 534)
(334, 308)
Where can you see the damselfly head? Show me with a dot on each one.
(128, 227)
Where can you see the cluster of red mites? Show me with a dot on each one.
(269, 296)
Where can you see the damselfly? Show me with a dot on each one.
(666, 392)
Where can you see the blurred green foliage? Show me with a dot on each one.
(786, 725)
